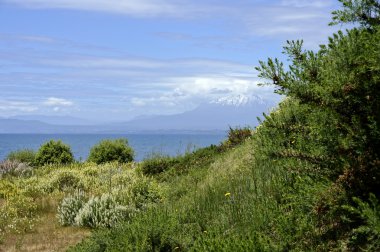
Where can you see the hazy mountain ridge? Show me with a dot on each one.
(216, 115)
(55, 120)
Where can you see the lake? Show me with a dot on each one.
(143, 144)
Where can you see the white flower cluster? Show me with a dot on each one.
(104, 211)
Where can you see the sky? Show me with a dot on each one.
(113, 60)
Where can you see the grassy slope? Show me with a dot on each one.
(240, 201)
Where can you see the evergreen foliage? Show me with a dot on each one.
(340, 82)
(110, 151)
(365, 12)
(54, 152)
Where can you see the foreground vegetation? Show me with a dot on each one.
(306, 179)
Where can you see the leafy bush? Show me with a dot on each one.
(366, 236)
(142, 192)
(24, 156)
(54, 152)
(103, 212)
(69, 209)
(66, 180)
(236, 136)
(199, 158)
(157, 164)
(111, 150)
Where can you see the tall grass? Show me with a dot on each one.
(234, 202)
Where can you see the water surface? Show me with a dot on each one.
(143, 144)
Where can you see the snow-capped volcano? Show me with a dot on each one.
(220, 114)
(238, 100)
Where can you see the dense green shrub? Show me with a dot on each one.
(54, 152)
(143, 192)
(111, 150)
(199, 158)
(103, 211)
(24, 156)
(66, 181)
(366, 236)
(236, 136)
(333, 123)
(339, 84)
(69, 209)
(157, 164)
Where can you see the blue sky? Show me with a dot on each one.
(110, 60)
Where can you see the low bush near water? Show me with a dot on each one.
(27, 156)
(157, 164)
(236, 136)
(54, 152)
(110, 151)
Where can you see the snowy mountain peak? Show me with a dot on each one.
(238, 100)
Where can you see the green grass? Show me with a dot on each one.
(236, 201)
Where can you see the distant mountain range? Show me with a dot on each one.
(55, 120)
(216, 115)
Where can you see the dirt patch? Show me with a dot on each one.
(48, 235)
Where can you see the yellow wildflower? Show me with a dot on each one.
(227, 194)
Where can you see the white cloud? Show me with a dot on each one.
(308, 3)
(53, 101)
(130, 7)
(274, 19)
(138, 102)
(17, 106)
(292, 19)
(186, 89)
(147, 84)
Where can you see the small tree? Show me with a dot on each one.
(341, 80)
(111, 150)
(24, 156)
(54, 152)
(364, 12)
(237, 136)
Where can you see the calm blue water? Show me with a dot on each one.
(143, 144)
